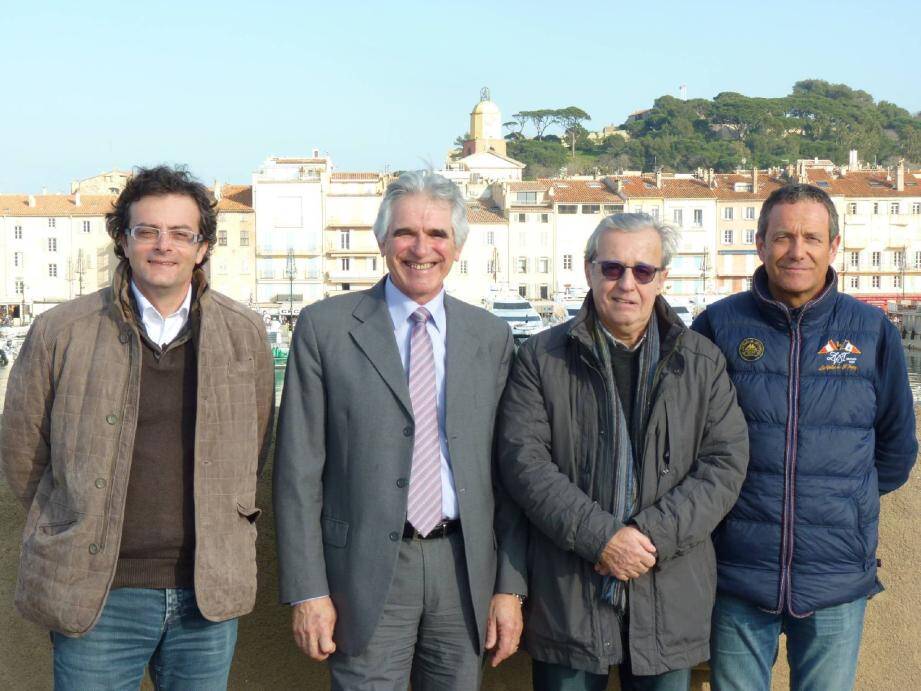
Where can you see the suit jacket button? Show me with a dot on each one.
(394, 536)
(111, 419)
(94, 548)
(123, 337)
(408, 431)
(402, 482)
(100, 483)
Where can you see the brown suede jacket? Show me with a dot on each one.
(67, 438)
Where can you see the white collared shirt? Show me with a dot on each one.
(162, 330)
(401, 308)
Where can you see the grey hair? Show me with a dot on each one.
(432, 185)
(631, 223)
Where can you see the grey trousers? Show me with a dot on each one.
(427, 632)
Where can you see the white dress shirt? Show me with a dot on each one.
(401, 308)
(162, 330)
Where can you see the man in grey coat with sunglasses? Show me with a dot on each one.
(621, 439)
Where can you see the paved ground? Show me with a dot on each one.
(267, 658)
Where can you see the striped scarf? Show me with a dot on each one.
(620, 475)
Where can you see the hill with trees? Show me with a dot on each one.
(730, 131)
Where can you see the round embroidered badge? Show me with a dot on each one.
(751, 349)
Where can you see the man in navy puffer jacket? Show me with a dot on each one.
(821, 378)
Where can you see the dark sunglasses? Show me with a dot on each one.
(613, 270)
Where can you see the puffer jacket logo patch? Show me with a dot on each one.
(751, 349)
(839, 356)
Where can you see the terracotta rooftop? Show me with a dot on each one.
(726, 182)
(872, 184)
(529, 186)
(478, 212)
(644, 187)
(56, 205)
(238, 198)
(583, 191)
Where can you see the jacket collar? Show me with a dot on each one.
(123, 303)
(581, 326)
(779, 314)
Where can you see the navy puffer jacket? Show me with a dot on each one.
(831, 427)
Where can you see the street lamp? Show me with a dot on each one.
(290, 270)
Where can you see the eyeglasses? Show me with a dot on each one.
(177, 236)
(642, 273)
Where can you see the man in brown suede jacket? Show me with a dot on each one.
(136, 421)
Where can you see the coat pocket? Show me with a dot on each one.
(335, 532)
(250, 513)
(685, 588)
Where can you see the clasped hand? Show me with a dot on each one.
(628, 554)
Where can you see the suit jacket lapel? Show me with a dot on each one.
(374, 336)
(460, 365)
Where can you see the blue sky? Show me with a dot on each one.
(220, 86)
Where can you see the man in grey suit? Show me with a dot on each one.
(397, 550)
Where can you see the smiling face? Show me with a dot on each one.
(162, 270)
(796, 251)
(625, 306)
(420, 247)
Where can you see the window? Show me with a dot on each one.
(523, 238)
(222, 238)
(53, 270)
(567, 262)
(543, 265)
(463, 266)
(544, 238)
(522, 218)
(749, 213)
(526, 197)
(875, 281)
(544, 292)
(491, 267)
(345, 239)
(916, 208)
(345, 263)
(20, 286)
(522, 264)
(678, 217)
(86, 226)
(613, 208)
(52, 222)
(749, 236)
(654, 212)
(490, 237)
(875, 208)
(52, 244)
(727, 237)
(918, 260)
(894, 208)
(698, 217)
(898, 258)
(545, 218)
(875, 258)
(17, 258)
(853, 259)
(727, 213)
(591, 208)
(855, 281)
(17, 232)
(851, 208)
(748, 283)
(567, 208)
(244, 238)
(896, 281)
(523, 290)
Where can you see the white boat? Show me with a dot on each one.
(519, 314)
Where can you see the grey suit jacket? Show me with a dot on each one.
(344, 451)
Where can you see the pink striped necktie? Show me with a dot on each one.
(424, 502)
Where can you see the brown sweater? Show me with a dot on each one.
(158, 536)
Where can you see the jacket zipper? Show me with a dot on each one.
(789, 505)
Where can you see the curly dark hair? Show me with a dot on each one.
(160, 181)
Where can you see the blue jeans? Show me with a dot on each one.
(821, 649)
(547, 676)
(139, 627)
